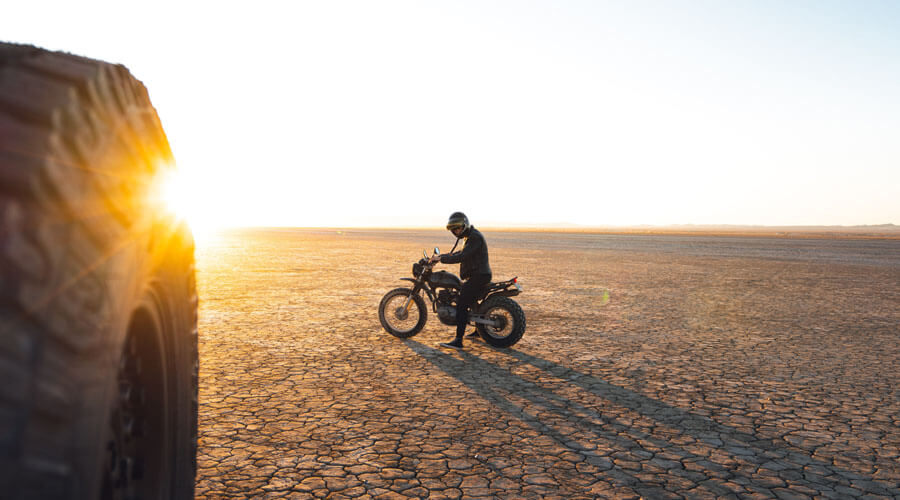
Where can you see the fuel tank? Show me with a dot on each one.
(444, 279)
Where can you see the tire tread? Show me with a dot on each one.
(420, 304)
(518, 316)
(79, 145)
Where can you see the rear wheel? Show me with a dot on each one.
(508, 318)
(401, 316)
(98, 304)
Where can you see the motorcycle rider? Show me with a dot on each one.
(474, 268)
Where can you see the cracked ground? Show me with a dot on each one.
(652, 366)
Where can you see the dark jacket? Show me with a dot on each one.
(473, 258)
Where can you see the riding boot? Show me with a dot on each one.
(456, 344)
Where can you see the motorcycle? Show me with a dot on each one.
(499, 319)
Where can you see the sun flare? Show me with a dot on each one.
(180, 194)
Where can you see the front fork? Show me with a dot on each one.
(409, 298)
(405, 306)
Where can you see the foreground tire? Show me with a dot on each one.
(98, 304)
(397, 321)
(510, 316)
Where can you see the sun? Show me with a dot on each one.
(181, 195)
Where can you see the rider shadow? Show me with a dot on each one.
(757, 456)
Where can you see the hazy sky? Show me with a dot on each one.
(599, 113)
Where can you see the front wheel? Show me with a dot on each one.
(509, 321)
(402, 313)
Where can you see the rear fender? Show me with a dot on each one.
(503, 293)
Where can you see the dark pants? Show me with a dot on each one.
(467, 295)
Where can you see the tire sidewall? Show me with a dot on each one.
(165, 291)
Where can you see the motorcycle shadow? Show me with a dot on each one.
(738, 457)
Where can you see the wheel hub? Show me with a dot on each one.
(499, 322)
(138, 449)
(401, 313)
(124, 466)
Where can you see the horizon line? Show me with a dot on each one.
(889, 228)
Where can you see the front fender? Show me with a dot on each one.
(408, 279)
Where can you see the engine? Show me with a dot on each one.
(446, 307)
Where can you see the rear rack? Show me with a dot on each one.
(500, 285)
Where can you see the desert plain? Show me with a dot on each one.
(653, 366)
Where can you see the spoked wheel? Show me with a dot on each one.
(508, 318)
(401, 313)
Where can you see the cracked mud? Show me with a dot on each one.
(718, 367)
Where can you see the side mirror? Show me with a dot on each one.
(424, 254)
(437, 250)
